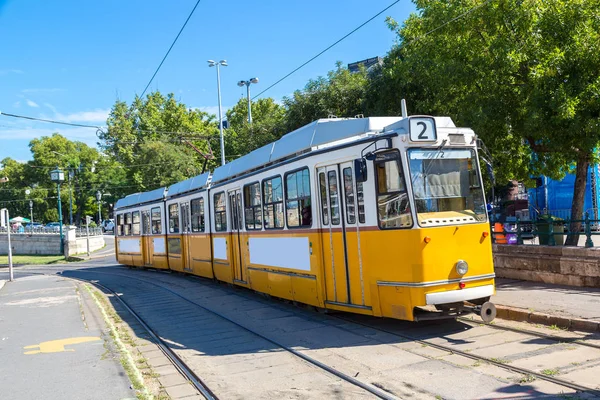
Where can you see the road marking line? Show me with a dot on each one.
(57, 346)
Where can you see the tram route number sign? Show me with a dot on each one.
(422, 129)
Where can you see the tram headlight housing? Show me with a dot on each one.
(462, 267)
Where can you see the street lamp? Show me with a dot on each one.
(223, 63)
(247, 84)
(31, 213)
(71, 175)
(57, 176)
(99, 198)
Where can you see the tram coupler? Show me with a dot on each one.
(487, 311)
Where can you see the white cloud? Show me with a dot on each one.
(212, 110)
(88, 136)
(10, 71)
(17, 104)
(43, 90)
(32, 103)
(98, 115)
(50, 106)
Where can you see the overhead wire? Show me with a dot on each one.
(326, 49)
(170, 48)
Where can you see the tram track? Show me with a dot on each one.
(558, 339)
(188, 372)
(512, 368)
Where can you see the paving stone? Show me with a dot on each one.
(172, 379)
(181, 391)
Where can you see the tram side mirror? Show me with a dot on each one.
(360, 170)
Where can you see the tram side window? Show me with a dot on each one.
(323, 190)
(220, 212)
(156, 221)
(146, 226)
(252, 206)
(392, 199)
(135, 227)
(174, 218)
(273, 203)
(120, 225)
(351, 200)
(197, 215)
(127, 226)
(297, 198)
(185, 217)
(334, 197)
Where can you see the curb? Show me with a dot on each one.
(2, 282)
(523, 315)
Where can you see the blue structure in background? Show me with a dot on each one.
(556, 197)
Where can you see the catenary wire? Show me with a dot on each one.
(326, 49)
(170, 48)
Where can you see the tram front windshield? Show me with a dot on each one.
(446, 184)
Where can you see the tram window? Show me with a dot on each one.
(156, 221)
(360, 196)
(185, 217)
(334, 199)
(120, 225)
(135, 226)
(323, 189)
(392, 200)
(220, 212)
(127, 226)
(349, 196)
(297, 198)
(273, 203)
(198, 215)
(146, 226)
(252, 206)
(174, 218)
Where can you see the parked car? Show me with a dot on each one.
(108, 225)
(52, 227)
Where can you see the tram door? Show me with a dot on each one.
(342, 214)
(185, 231)
(235, 205)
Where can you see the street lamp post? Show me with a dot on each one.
(223, 63)
(31, 213)
(99, 198)
(58, 176)
(247, 84)
(71, 174)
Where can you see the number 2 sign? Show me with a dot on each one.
(422, 129)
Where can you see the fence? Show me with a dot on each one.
(79, 232)
(546, 231)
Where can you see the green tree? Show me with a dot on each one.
(150, 139)
(342, 93)
(522, 73)
(268, 125)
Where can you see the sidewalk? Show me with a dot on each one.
(53, 346)
(577, 308)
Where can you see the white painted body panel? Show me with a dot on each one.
(290, 252)
(129, 246)
(159, 245)
(453, 296)
(220, 248)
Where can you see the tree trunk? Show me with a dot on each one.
(583, 162)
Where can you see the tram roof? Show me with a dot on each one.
(140, 198)
(197, 182)
(303, 140)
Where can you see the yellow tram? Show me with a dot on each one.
(382, 216)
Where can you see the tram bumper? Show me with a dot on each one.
(456, 296)
(454, 303)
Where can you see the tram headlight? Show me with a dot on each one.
(462, 267)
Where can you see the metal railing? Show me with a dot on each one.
(82, 232)
(550, 232)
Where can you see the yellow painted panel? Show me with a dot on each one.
(223, 272)
(259, 280)
(176, 252)
(359, 287)
(160, 262)
(280, 286)
(395, 302)
(306, 291)
(200, 255)
(137, 260)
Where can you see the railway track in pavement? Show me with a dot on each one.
(490, 345)
(229, 331)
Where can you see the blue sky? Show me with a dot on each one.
(70, 60)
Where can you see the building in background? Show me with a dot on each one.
(369, 63)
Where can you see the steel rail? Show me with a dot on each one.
(559, 339)
(512, 368)
(164, 347)
(371, 389)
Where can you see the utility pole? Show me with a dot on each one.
(247, 84)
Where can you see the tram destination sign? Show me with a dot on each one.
(422, 129)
